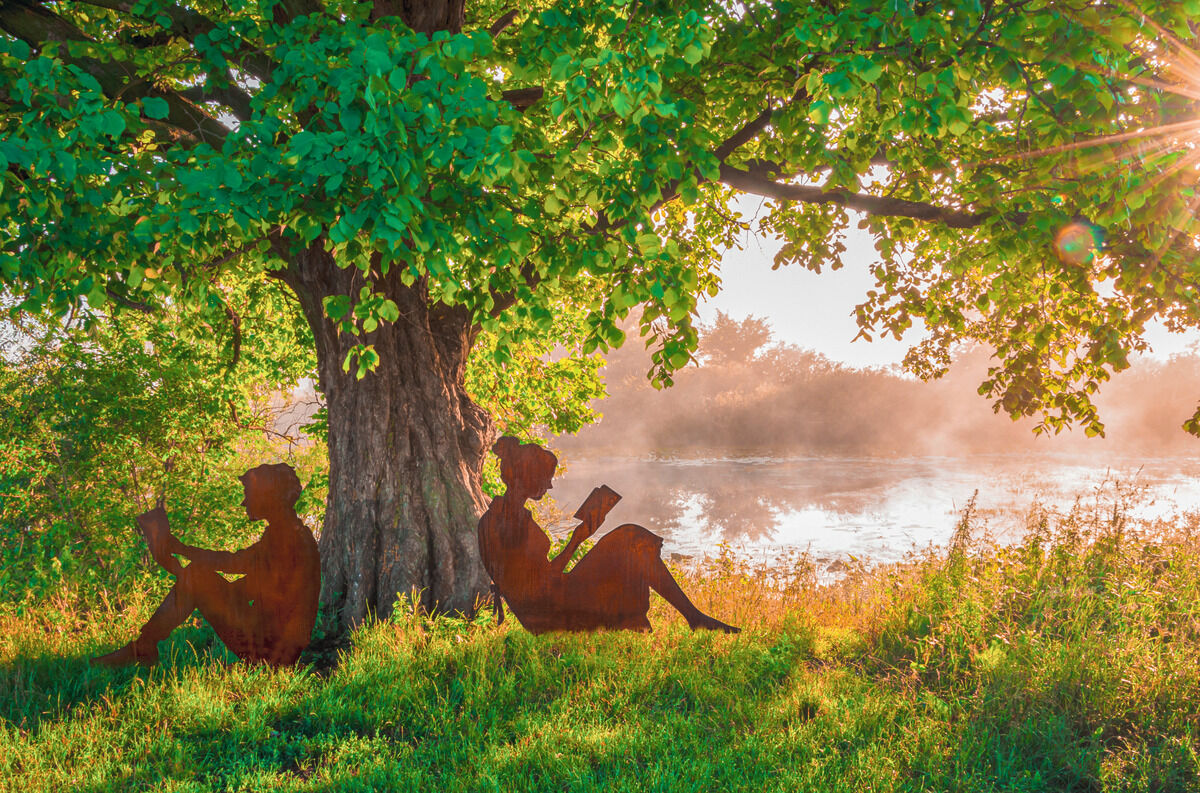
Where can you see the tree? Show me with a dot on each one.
(420, 173)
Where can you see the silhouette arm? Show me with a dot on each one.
(240, 561)
(581, 533)
(165, 546)
(590, 514)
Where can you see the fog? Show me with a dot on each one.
(770, 448)
(752, 396)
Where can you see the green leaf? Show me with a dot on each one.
(622, 104)
(112, 123)
(336, 306)
(819, 111)
(368, 359)
(155, 107)
(389, 311)
(66, 165)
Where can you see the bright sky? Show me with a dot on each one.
(817, 311)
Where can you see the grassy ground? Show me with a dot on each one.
(1068, 662)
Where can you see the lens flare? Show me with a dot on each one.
(1077, 243)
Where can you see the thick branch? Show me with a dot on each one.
(287, 10)
(425, 16)
(501, 24)
(747, 133)
(749, 182)
(502, 301)
(523, 98)
(37, 26)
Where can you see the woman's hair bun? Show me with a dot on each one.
(505, 446)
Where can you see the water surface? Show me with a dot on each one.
(874, 508)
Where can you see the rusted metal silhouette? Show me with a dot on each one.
(267, 615)
(608, 588)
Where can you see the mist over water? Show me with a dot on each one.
(770, 448)
(874, 508)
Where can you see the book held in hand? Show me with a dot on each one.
(154, 525)
(598, 504)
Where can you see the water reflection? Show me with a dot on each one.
(866, 507)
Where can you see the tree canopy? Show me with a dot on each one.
(1027, 168)
(151, 145)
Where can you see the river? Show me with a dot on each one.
(875, 509)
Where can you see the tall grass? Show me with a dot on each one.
(1067, 661)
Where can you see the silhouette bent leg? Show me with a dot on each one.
(662, 582)
(195, 588)
(633, 553)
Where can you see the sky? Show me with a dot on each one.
(817, 310)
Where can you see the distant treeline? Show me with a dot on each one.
(750, 395)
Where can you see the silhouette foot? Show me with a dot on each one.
(144, 653)
(707, 623)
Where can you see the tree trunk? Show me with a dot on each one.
(406, 443)
(406, 448)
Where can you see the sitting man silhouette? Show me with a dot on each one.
(608, 588)
(267, 615)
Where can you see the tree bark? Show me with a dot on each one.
(406, 449)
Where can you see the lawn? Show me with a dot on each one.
(1068, 661)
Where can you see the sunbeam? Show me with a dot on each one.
(1159, 131)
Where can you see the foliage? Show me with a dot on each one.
(97, 424)
(1064, 662)
(544, 386)
(542, 389)
(584, 153)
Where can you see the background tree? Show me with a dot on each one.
(751, 395)
(421, 173)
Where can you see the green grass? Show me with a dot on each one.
(1070, 661)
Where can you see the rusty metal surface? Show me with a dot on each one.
(608, 588)
(267, 614)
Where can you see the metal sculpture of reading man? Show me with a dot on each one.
(267, 615)
(608, 588)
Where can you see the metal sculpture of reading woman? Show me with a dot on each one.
(265, 616)
(608, 588)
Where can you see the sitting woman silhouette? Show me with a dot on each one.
(267, 615)
(608, 588)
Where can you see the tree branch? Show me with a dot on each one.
(747, 133)
(287, 10)
(501, 24)
(523, 98)
(755, 183)
(37, 26)
(502, 301)
(126, 302)
(235, 325)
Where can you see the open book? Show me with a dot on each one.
(154, 525)
(598, 504)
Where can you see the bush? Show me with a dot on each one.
(95, 427)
